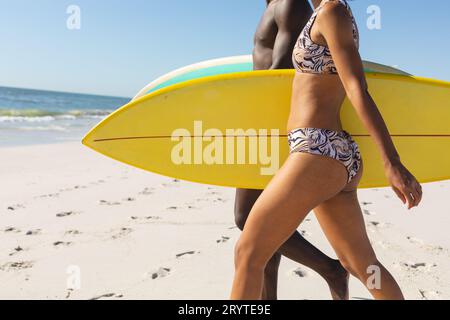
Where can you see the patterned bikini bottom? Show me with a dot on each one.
(338, 145)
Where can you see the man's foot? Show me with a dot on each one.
(338, 282)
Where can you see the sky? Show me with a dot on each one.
(123, 45)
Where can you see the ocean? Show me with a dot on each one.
(30, 117)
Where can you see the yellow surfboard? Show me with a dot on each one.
(230, 130)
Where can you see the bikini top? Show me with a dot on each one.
(310, 57)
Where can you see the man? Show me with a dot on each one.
(280, 26)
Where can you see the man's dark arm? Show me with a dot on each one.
(290, 16)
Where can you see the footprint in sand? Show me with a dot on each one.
(66, 214)
(96, 183)
(69, 293)
(305, 233)
(50, 195)
(147, 191)
(15, 207)
(149, 218)
(72, 233)
(34, 232)
(378, 225)
(223, 239)
(166, 185)
(369, 213)
(160, 273)
(415, 240)
(16, 251)
(419, 266)
(122, 233)
(109, 203)
(129, 199)
(77, 187)
(429, 295)
(384, 244)
(185, 254)
(365, 203)
(299, 272)
(11, 230)
(190, 206)
(16, 266)
(435, 249)
(108, 296)
(59, 244)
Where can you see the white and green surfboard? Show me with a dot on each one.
(229, 65)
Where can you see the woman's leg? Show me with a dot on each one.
(343, 223)
(297, 249)
(243, 204)
(302, 183)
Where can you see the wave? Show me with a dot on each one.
(42, 128)
(38, 115)
(26, 119)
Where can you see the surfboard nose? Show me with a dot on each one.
(84, 141)
(87, 140)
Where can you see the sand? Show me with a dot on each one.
(76, 225)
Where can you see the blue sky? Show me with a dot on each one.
(123, 45)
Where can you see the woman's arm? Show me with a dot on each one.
(336, 27)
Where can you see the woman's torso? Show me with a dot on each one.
(318, 92)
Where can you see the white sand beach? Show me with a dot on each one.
(130, 234)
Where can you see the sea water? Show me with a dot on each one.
(40, 117)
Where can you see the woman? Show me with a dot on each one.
(325, 167)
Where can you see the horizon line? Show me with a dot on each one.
(67, 92)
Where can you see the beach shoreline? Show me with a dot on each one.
(34, 117)
(77, 225)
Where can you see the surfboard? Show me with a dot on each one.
(199, 70)
(229, 129)
(229, 65)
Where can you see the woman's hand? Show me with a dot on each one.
(404, 184)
